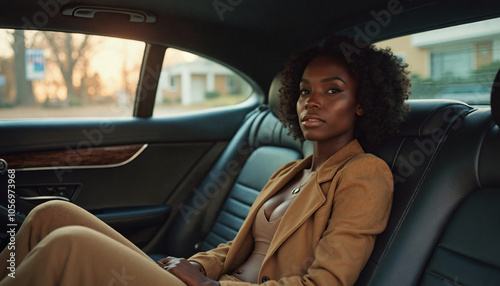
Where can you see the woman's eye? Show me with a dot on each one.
(334, 90)
(304, 91)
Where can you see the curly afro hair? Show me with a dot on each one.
(382, 88)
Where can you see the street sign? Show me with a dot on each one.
(35, 64)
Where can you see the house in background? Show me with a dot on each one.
(456, 51)
(194, 82)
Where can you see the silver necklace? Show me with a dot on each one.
(299, 188)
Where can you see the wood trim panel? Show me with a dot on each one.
(94, 156)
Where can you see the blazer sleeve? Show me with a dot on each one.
(213, 260)
(361, 207)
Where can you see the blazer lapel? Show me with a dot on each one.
(305, 204)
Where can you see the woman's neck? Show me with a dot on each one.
(324, 150)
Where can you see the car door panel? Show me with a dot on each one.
(130, 173)
(138, 224)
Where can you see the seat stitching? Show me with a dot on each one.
(247, 187)
(229, 226)
(232, 214)
(219, 236)
(445, 279)
(468, 257)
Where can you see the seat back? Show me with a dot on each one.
(450, 232)
(411, 155)
(467, 252)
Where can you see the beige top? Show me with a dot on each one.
(263, 231)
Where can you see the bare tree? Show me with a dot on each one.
(67, 51)
(93, 87)
(7, 88)
(24, 87)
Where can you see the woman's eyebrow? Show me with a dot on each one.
(325, 79)
(332, 79)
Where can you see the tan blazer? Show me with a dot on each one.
(327, 234)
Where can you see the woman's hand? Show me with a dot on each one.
(192, 274)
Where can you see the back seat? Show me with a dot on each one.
(450, 234)
(437, 160)
(411, 155)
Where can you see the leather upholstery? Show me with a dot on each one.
(455, 174)
(468, 251)
(449, 232)
(259, 167)
(495, 98)
(467, 254)
(411, 155)
(274, 95)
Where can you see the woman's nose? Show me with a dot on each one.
(313, 101)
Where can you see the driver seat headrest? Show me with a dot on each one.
(274, 95)
(495, 99)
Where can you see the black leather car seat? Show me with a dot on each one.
(450, 235)
(411, 155)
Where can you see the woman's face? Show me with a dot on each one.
(327, 107)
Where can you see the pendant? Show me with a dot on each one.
(295, 191)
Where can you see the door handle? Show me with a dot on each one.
(44, 198)
(65, 192)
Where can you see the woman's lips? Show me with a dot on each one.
(311, 121)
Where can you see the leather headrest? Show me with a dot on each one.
(274, 95)
(495, 99)
(429, 115)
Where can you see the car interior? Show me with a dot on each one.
(183, 183)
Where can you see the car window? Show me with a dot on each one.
(458, 62)
(53, 74)
(190, 83)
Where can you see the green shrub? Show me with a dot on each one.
(212, 94)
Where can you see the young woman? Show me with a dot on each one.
(315, 221)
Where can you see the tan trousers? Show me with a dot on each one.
(62, 244)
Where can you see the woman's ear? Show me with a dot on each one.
(360, 110)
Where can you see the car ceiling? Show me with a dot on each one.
(254, 37)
